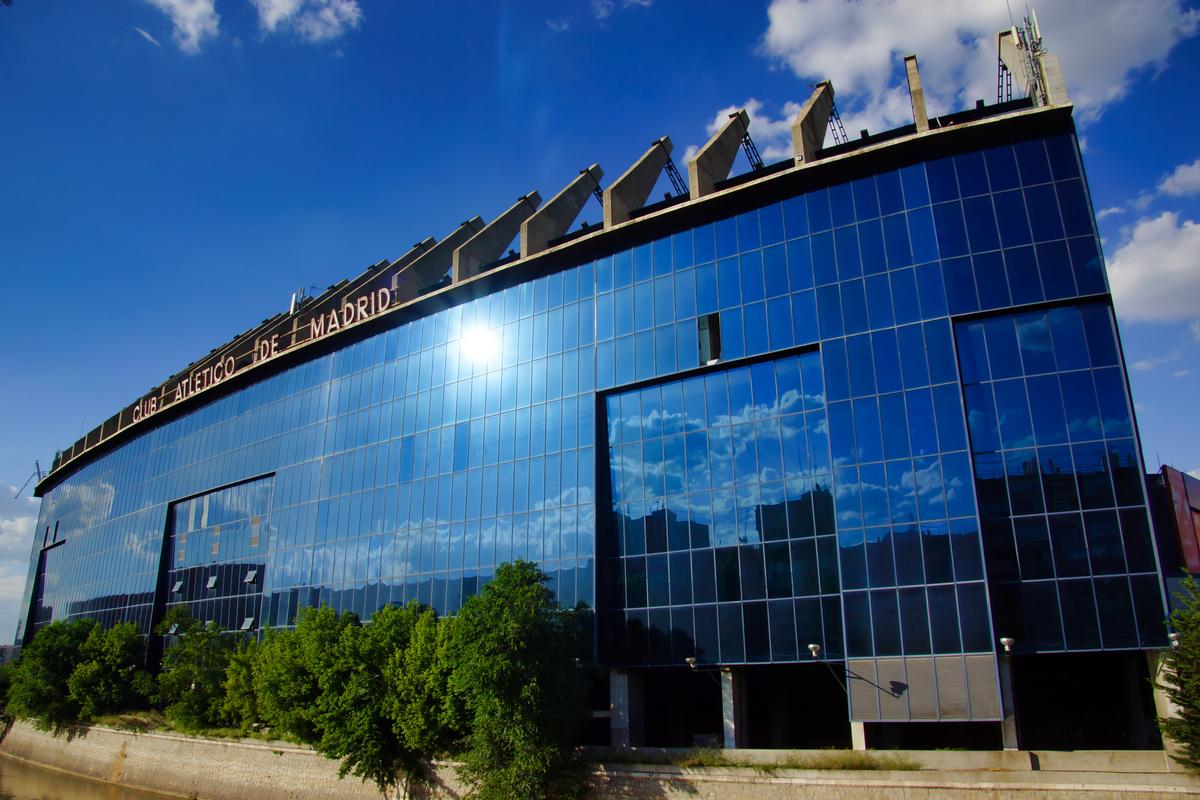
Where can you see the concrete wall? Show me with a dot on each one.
(233, 770)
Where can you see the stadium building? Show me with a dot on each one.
(840, 449)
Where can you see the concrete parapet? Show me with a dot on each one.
(555, 217)
(712, 162)
(488, 244)
(917, 93)
(416, 251)
(628, 193)
(809, 126)
(431, 265)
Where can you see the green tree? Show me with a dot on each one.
(353, 710)
(240, 705)
(287, 667)
(514, 654)
(109, 676)
(39, 688)
(427, 715)
(190, 686)
(1180, 677)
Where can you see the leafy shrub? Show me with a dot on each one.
(191, 685)
(1181, 678)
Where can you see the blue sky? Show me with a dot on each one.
(174, 169)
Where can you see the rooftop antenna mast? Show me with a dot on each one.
(1028, 39)
(37, 473)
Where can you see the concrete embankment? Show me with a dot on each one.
(233, 770)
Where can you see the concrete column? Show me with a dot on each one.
(1163, 707)
(858, 735)
(809, 126)
(733, 710)
(488, 244)
(432, 264)
(628, 193)
(712, 162)
(625, 700)
(917, 93)
(1008, 727)
(555, 217)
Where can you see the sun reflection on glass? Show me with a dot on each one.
(480, 344)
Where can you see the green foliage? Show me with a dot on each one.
(1180, 678)
(240, 705)
(427, 716)
(108, 677)
(191, 684)
(514, 667)
(353, 710)
(6, 673)
(39, 683)
(287, 667)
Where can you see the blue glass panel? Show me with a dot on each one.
(916, 188)
(879, 301)
(1086, 263)
(685, 294)
(1055, 266)
(727, 244)
(829, 306)
(1023, 279)
(857, 613)
(664, 300)
(924, 239)
(940, 351)
(1117, 625)
(867, 433)
(891, 197)
(1079, 399)
(623, 268)
(964, 546)
(756, 328)
(841, 204)
(1003, 352)
(914, 621)
(800, 271)
(1010, 212)
(823, 258)
(779, 322)
(959, 279)
(751, 276)
(1031, 158)
(947, 404)
(1024, 482)
(972, 352)
(972, 176)
(1045, 400)
(795, 216)
(942, 183)
(921, 426)
(749, 237)
(854, 306)
(895, 237)
(862, 367)
(1077, 215)
(1044, 219)
(804, 317)
(931, 291)
(887, 360)
(684, 253)
(849, 262)
(951, 231)
(943, 620)
(1002, 168)
(643, 265)
(841, 433)
(1012, 408)
(866, 203)
(771, 221)
(1033, 336)
(981, 224)
(885, 623)
(775, 270)
(1070, 551)
(904, 296)
(895, 432)
(818, 211)
(874, 258)
(1033, 548)
(1070, 341)
(912, 356)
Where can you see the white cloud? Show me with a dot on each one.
(602, 9)
(1110, 211)
(1181, 373)
(1195, 329)
(1185, 180)
(559, 25)
(311, 20)
(147, 36)
(193, 21)
(859, 46)
(18, 518)
(1155, 276)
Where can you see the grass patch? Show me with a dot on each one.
(134, 721)
(708, 757)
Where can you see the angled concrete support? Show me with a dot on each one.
(712, 163)
(1053, 82)
(809, 126)
(920, 116)
(430, 266)
(628, 193)
(555, 217)
(419, 249)
(488, 244)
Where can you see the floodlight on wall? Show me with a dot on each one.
(815, 649)
(691, 662)
(1007, 643)
(1173, 638)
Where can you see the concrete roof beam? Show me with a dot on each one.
(428, 267)
(554, 218)
(488, 244)
(714, 160)
(809, 126)
(917, 93)
(629, 192)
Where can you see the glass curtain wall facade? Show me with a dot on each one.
(910, 434)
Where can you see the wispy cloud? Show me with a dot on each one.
(1181, 373)
(311, 20)
(147, 36)
(559, 25)
(602, 9)
(18, 517)
(192, 22)
(1185, 180)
